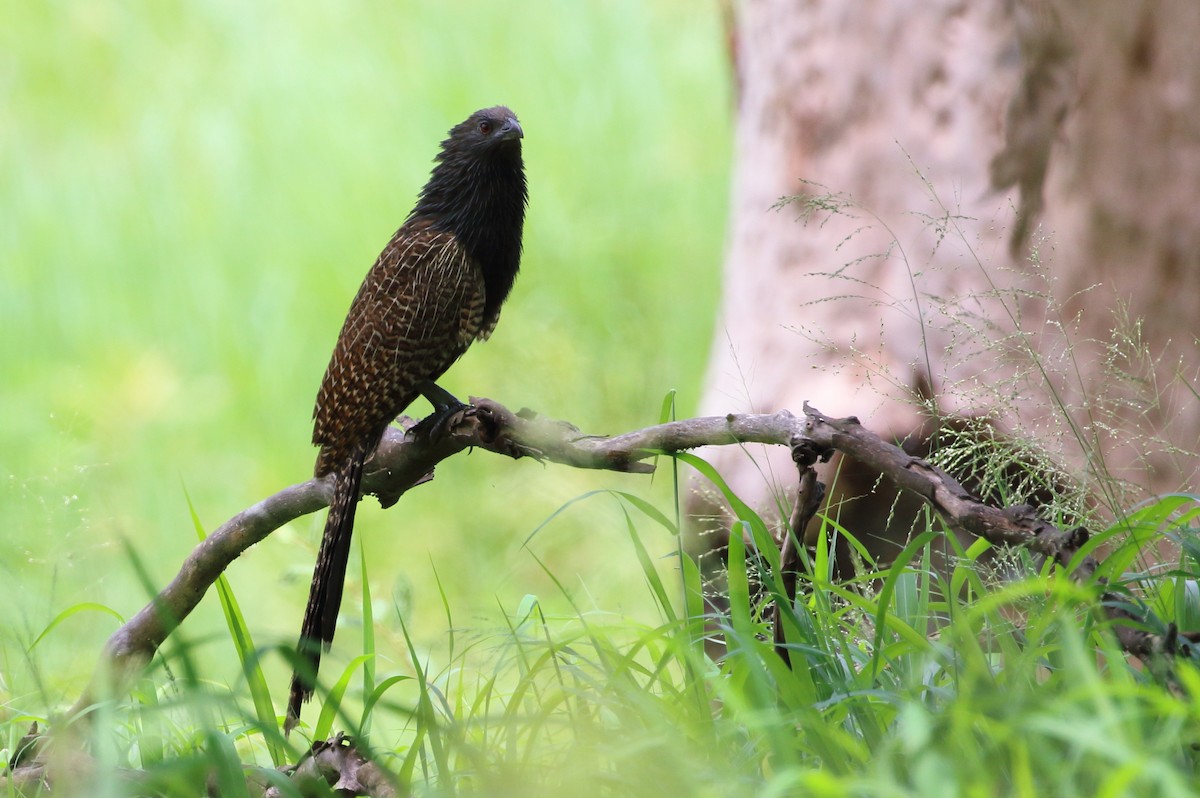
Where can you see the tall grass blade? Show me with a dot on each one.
(247, 654)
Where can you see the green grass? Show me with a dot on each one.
(889, 689)
(189, 197)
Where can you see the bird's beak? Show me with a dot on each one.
(511, 130)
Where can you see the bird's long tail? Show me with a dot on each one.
(325, 594)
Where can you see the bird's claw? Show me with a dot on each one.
(442, 421)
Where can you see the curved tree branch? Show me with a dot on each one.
(407, 457)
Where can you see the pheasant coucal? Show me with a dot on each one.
(436, 287)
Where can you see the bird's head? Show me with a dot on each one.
(491, 130)
(478, 177)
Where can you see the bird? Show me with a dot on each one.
(437, 287)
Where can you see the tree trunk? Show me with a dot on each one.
(910, 281)
(1121, 192)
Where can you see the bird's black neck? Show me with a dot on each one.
(482, 202)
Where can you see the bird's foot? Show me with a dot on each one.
(447, 412)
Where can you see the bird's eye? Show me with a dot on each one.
(485, 127)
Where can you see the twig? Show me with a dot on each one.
(808, 501)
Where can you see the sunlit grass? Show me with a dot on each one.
(908, 682)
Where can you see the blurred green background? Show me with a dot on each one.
(190, 195)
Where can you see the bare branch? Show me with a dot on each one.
(407, 457)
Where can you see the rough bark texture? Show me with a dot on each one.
(896, 108)
(940, 143)
(1119, 198)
